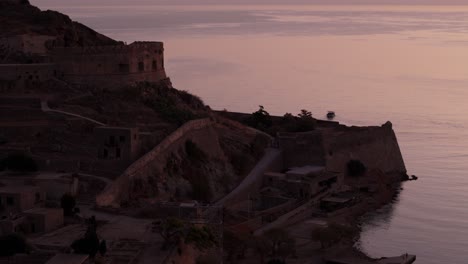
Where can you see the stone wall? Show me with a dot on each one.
(119, 190)
(302, 149)
(28, 72)
(376, 147)
(112, 65)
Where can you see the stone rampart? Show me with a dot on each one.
(112, 66)
(376, 147)
(113, 194)
(28, 72)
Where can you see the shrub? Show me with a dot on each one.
(13, 244)
(18, 162)
(194, 153)
(355, 168)
(202, 237)
(68, 203)
(201, 190)
(260, 119)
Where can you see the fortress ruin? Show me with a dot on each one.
(94, 66)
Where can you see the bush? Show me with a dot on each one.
(194, 153)
(18, 162)
(13, 244)
(202, 237)
(260, 119)
(355, 168)
(201, 190)
(68, 203)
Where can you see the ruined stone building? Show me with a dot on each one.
(117, 143)
(110, 66)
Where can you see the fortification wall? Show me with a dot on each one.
(112, 65)
(30, 44)
(28, 72)
(301, 149)
(150, 163)
(376, 147)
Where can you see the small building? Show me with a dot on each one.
(16, 199)
(305, 172)
(117, 143)
(337, 201)
(39, 220)
(301, 182)
(68, 259)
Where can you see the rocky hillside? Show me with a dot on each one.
(19, 19)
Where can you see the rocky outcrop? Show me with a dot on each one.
(193, 162)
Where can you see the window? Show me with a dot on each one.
(117, 153)
(155, 65)
(141, 66)
(10, 200)
(112, 140)
(124, 67)
(122, 138)
(38, 197)
(106, 153)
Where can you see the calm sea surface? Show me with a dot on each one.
(369, 64)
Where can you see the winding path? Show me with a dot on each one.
(45, 108)
(255, 176)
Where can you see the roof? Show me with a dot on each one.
(275, 174)
(43, 210)
(336, 199)
(68, 258)
(19, 189)
(305, 170)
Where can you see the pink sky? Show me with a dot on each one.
(194, 2)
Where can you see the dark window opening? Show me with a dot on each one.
(117, 153)
(141, 66)
(135, 137)
(10, 200)
(111, 140)
(122, 138)
(155, 65)
(106, 153)
(38, 197)
(124, 67)
(33, 228)
(30, 77)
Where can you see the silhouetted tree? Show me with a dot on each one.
(68, 203)
(13, 244)
(260, 119)
(170, 229)
(18, 162)
(89, 244)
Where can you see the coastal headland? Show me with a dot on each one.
(103, 159)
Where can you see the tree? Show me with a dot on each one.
(171, 230)
(260, 119)
(305, 122)
(103, 248)
(13, 244)
(68, 203)
(202, 237)
(280, 243)
(89, 244)
(18, 162)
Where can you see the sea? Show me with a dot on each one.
(369, 64)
